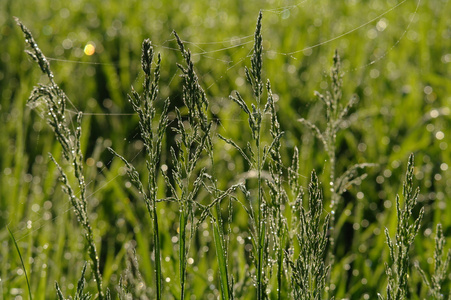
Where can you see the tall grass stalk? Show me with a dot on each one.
(258, 156)
(254, 78)
(144, 106)
(193, 139)
(336, 115)
(277, 193)
(54, 100)
(406, 230)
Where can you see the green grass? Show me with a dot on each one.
(210, 203)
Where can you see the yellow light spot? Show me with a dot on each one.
(90, 48)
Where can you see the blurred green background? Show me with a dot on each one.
(396, 56)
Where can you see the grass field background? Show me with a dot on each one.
(396, 57)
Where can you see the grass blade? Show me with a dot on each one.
(182, 253)
(21, 261)
(156, 239)
(221, 255)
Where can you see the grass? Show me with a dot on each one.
(54, 101)
(21, 261)
(406, 231)
(144, 107)
(206, 200)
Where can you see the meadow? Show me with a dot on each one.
(233, 150)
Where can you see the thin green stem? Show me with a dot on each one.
(280, 256)
(260, 226)
(156, 240)
(335, 197)
(95, 260)
(182, 254)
